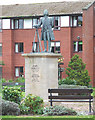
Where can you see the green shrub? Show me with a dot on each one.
(9, 108)
(20, 80)
(24, 109)
(76, 70)
(58, 110)
(71, 86)
(3, 80)
(33, 105)
(67, 81)
(12, 94)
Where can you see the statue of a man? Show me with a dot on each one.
(46, 31)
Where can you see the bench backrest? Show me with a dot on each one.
(70, 93)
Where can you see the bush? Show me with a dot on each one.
(58, 110)
(20, 79)
(13, 94)
(67, 81)
(71, 86)
(76, 70)
(9, 108)
(32, 104)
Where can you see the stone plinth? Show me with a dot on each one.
(41, 73)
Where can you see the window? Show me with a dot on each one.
(79, 20)
(35, 21)
(18, 47)
(64, 21)
(17, 24)
(19, 71)
(77, 46)
(6, 24)
(55, 47)
(34, 48)
(56, 23)
(76, 21)
(27, 23)
(0, 49)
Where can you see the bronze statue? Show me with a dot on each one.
(46, 31)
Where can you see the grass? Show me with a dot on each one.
(90, 117)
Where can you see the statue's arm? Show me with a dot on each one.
(38, 25)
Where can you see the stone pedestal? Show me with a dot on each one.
(41, 73)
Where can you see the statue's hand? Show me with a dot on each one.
(35, 26)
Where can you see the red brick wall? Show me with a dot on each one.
(7, 54)
(88, 45)
(66, 36)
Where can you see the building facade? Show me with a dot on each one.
(74, 31)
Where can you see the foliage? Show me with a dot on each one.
(76, 71)
(9, 108)
(3, 80)
(32, 104)
(20, 80)
(65, 86)
(67, 81)
(24, 109)
(12, 94)
(58, 110)
(2, 63)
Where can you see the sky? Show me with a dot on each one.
(7, 2)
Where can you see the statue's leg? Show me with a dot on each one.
(49, 42)
(45, 42)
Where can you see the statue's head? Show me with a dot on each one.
(45, 12)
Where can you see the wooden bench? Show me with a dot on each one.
(70, 95)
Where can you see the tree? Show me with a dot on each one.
(76, 71)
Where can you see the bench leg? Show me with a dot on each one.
(89, 106)
(50, 102)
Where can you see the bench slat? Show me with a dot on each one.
(70, 91)
(71, 97)
(70, 100)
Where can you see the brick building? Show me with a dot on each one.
(74, 31)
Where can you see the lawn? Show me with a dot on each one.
(90, 117)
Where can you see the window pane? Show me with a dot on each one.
(21, 69)
(6, 23)
(76, 46)
(27, 23)
(12, 23)
(56, 23)
(16, 48)
(17, 72)
(79, 20)
(35, 21)
(64, 21)
(20, 47)
(16, 24)
(52, 47)
(80, 46)
(74, 21)
(34, 47)
(20, 23)
(57, 45)
(52, 43)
